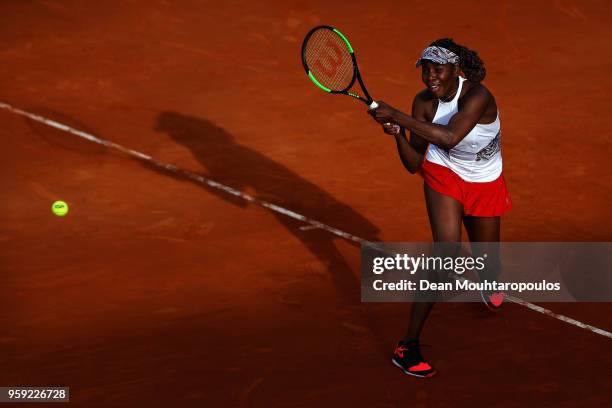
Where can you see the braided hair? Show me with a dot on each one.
(469, 61)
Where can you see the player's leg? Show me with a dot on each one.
(484, 232)
(482, 229)
(445, 214)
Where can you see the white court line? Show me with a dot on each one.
(312, 224)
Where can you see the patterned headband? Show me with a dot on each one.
(438, 55)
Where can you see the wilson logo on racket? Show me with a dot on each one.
(333, 61)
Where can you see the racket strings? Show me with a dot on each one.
(329, 60)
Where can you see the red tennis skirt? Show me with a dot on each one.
(488, 199)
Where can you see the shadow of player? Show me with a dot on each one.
(245, 169)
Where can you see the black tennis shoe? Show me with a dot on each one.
(493, 300)
(407, 356)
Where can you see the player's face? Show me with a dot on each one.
(440, 79)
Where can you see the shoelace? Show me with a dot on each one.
(414, 349)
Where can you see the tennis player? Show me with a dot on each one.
(455, 145)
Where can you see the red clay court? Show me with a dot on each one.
(159, 289)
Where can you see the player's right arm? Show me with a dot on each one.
(412, 151)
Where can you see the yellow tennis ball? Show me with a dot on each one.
(59, 208)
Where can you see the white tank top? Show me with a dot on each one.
(477, 158)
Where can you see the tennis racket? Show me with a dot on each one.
(329, 61)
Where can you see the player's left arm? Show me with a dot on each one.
(473, 106)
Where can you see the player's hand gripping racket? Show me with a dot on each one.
(330, 63)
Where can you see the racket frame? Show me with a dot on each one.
(356, 74)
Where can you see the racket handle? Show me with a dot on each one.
(396, 128)
(374, 105)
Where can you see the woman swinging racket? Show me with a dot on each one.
(455, 145)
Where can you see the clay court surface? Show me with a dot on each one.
(158, 291)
